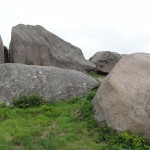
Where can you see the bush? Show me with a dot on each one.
(28, 101)
(120, 140)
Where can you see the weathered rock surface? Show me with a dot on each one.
(1, 51)
(34, 45)
(105, 61)
(123, 99)
(51, 82)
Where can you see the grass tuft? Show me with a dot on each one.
(28, 101)
(96, 75)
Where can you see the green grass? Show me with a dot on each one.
(58, 125)
(64, 125)
(96, 75)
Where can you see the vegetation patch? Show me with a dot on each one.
(96, 75)
(63, 125)
(28, 101)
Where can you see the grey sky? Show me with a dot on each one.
(93, 25)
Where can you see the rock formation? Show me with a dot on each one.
(1, 51)
(51, 82)
(123, 99)
(6, 55)
(105, 61)
(34, 45)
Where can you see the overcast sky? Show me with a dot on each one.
(122, 26)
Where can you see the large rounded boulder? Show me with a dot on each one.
(51, 82)
(1, 51)
(123, 99)
(105, 61)
(34, 45)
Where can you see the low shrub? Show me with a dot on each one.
(119, 141)
(28, 101)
